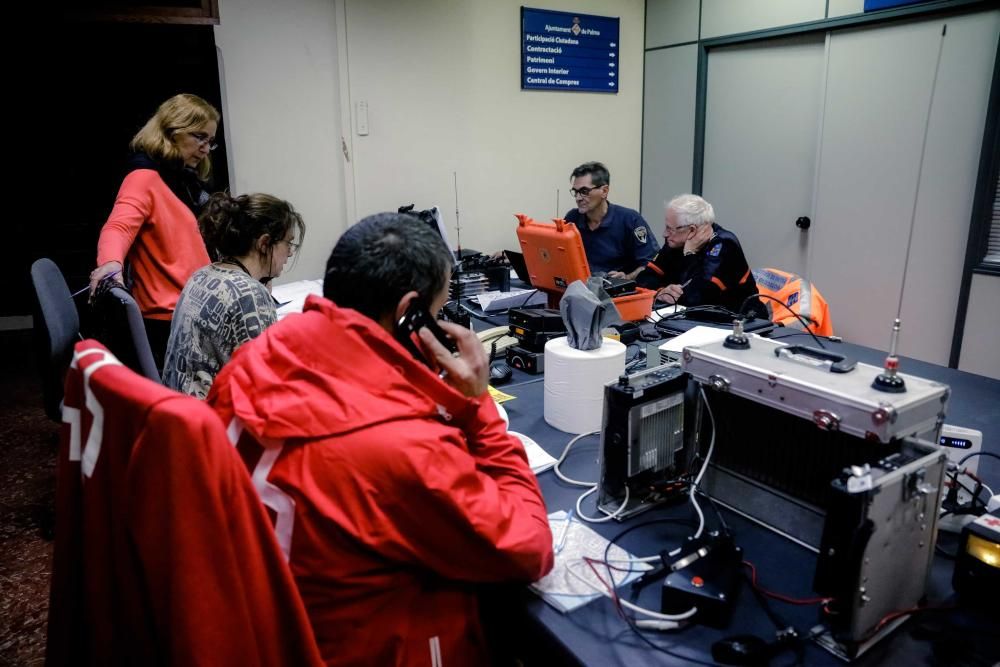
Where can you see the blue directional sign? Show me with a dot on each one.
(567, 51)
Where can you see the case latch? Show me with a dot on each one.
(826, 420)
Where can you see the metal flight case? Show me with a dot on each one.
(805, 445)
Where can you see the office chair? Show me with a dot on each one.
(120, 327)
(56, 328)
(164, 554)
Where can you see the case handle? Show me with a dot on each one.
(836, 363)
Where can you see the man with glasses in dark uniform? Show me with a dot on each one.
(618, 242)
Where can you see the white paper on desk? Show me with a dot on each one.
(539, 459)
(563, 590)
(295, 293)
(659, 313)
(516, 298)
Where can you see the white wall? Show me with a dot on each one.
(442, 82)
(948, 178)
(281, 109)
(981, 341)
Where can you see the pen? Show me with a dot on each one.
(565, 532)
(81, 291)
(687, 283)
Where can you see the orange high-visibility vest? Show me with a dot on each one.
(798, 295)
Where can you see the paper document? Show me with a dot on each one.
(539, 459)
(516, 298)
(564, 587)
(659, 313)
(293, 295)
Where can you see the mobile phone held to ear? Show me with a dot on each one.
(417, 317)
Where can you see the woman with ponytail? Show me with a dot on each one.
(228, 302)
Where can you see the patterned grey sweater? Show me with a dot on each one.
(220, 308)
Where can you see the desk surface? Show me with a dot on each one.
(594, 635)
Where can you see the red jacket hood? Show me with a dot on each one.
(327, 371)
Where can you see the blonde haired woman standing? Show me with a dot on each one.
(153, 223)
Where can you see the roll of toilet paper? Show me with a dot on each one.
(574, 383)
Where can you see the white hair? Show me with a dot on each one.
(691, 210)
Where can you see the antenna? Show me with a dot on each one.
(557, 202)
(889, 380)
(458, 224)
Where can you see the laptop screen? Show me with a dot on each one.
(516, 260)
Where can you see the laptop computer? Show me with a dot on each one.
(674, 326)
(517, 263)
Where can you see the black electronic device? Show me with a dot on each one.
(526, 360)
(453, 312)
(533, 327)
(645, 440)
(618, 286)
(684, 321)
(705, 574)
(537, 319)
(977, 563)
(500, 373)
(418, 317)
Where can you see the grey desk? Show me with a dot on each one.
(594, 635)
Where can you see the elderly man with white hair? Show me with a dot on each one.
(701, 263)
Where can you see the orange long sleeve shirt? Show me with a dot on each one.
(159, 235)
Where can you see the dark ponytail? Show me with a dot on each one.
(231, 225)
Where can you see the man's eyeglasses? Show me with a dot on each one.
(674, 230)
(203, 139)
(584, 191)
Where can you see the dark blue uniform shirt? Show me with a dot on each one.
(623, 241)
(718, 274)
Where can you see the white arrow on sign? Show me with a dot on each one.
(611, 54)
(611, 83)
(611, 73)
(611, 64)
(612, 45)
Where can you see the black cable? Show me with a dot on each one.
(715, 507)
(788, 333)
(629, 621)
(526, 299)
(805, 325)
(969, 456)
(481, 316)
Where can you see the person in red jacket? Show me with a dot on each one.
(393, 484)
(153, 223)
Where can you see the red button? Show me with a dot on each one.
(697, 582)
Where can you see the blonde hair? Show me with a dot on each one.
(181, 113)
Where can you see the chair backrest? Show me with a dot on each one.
(121, 329)
(163, 553)
(57, 328)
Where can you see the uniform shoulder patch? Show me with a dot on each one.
(716, 249)
(640, 233)
(792, 299)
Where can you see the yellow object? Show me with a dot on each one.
(499, 396)
(983, 550)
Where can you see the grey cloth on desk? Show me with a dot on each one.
(586, 310)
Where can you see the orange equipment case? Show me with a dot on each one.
(555, 257)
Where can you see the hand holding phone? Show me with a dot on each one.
(469, 371)
(436, 343)
(417, 317)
